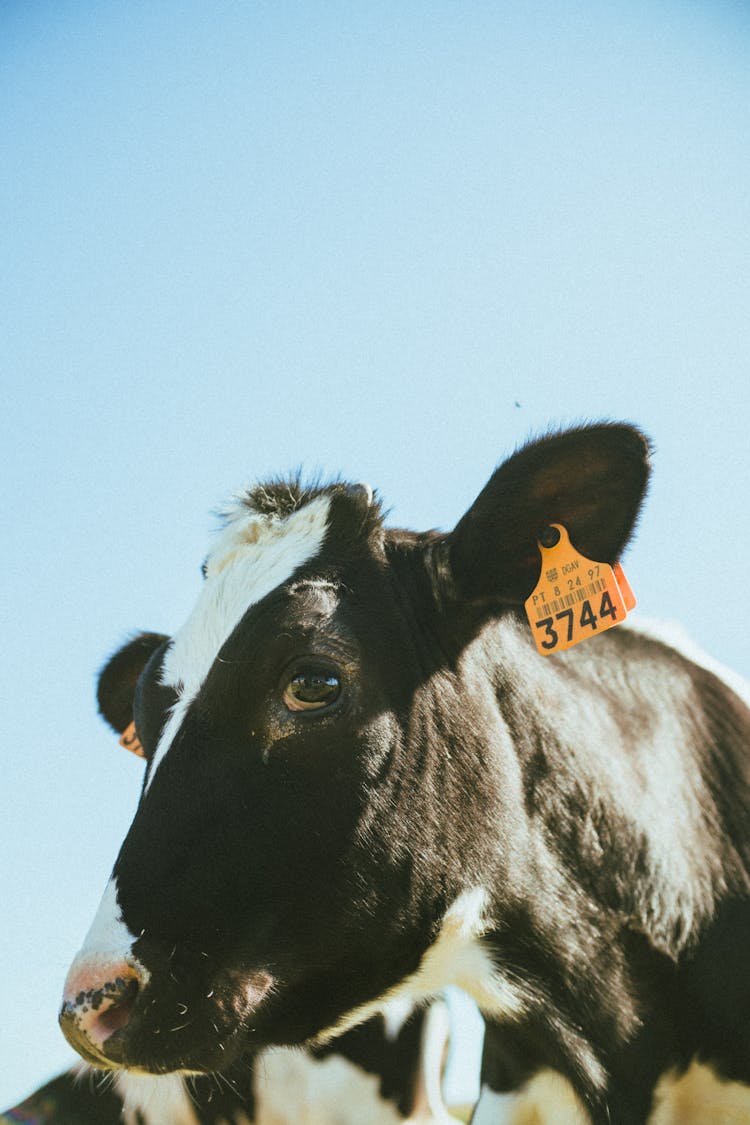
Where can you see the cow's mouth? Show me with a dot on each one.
(133, 1023)
(95, 1017)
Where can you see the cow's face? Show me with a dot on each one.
(311, 743)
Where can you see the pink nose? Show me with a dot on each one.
(98, 999)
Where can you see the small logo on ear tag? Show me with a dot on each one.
(129, 739)
(575, 597)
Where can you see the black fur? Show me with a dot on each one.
(68, 1100)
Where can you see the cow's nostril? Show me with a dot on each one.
(99, 1001)
(116, 1009)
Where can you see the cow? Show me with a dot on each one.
(384, 1072)
(364, 784)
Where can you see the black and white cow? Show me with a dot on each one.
(383, 1072)
(364, 784)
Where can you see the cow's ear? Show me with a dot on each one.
(118, 677)
(592, 480)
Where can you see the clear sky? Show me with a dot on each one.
(389, 240)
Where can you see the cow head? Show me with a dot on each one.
(319, 786)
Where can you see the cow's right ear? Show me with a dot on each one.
(116, 688)
(592, 480)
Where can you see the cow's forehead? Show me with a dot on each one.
(253, 555)
(249, 536)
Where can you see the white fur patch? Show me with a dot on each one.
(156, 1099)
(395, 1016)
(546, 1099)
(457, 957)
(253, 555)
(108, 942)
(108, 933)
(291, 1086)
(700, 1097)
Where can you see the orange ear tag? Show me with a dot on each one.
(129, 739)
(575, 598)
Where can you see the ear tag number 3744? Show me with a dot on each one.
(575, 597)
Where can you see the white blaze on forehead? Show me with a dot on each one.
(253, 555)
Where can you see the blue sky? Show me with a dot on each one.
(388, 240)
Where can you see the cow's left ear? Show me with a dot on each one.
(591, 479)
(116, 688)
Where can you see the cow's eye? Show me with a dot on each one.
(312, 690)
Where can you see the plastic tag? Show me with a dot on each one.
(129, 739)
(627, 594)
(575, 597)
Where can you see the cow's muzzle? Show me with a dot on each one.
(98, 1001)
(117, 1014)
